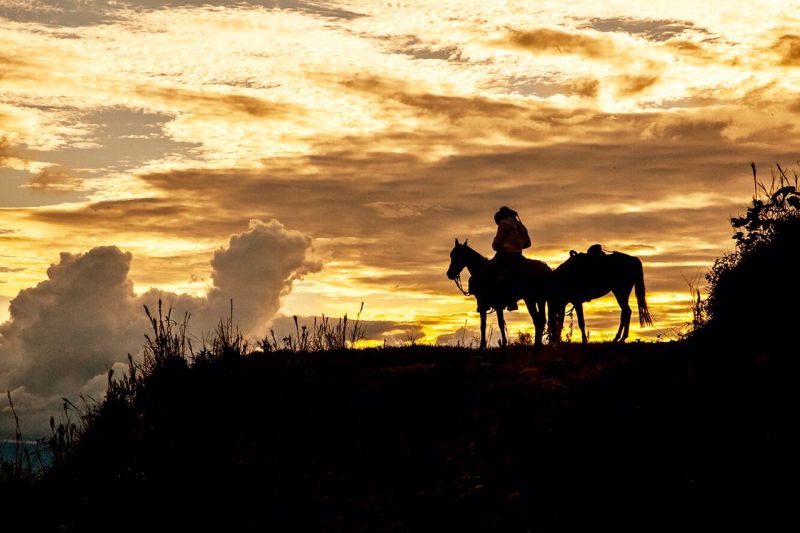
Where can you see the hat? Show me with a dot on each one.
(504, 212)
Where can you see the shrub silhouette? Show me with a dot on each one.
(754, 292)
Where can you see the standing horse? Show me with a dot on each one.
(530, 286)
(584, 277)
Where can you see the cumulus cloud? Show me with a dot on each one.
(64, 334)
(257, 269)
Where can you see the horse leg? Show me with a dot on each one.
(552, 323)
(483, 330)
(501, 323)
(625, 314)
(581, 322)
(536, 310)
(539, 322)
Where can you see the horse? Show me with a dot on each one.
(586, 276)
(530, 286)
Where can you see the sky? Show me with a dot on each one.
(303, 157)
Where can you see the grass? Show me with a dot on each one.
(298, 436)
(324, 335)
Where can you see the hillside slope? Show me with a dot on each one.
(429, 438)
(390, 439)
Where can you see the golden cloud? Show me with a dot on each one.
(219, 104)
(787, 47)
(551, 41)
(55, 179)
(633, 85)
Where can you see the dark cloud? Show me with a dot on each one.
(452, 107)
(463, 336)
(632, 85)
(76, 13)
(551, 41)
(54, 179)
(412, 45)
(13, 68)
(134, 213)
(320, 9)
(545, 87)
(223, 105)
(68, 13)
(443, 53)
(788, 49)
(121, 139)
(651, 29)
(474, 118)
(585, 87)
(5, 147)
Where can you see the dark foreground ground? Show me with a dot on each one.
(425, 438)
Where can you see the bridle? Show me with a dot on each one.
(457, 279)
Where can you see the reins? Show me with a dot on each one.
(457, 279)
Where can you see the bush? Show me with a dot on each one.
(754, 291)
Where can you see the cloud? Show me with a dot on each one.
(787, 47)
(219, 104)
(552, 41)
(54, 178)
(5, 149)
(73, 325)
(257, 269)
(391, 332)
(463, 336)
(77, 13)
(85, 317)
(651, 29)
(632, 85)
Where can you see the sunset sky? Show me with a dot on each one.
(365, 136)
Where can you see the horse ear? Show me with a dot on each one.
(465, 242)
(573, 253)
(456, 241)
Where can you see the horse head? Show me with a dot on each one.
(458, 259)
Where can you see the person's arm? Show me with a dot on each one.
(500, 237)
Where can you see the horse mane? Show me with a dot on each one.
(473, 251)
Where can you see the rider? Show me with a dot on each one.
(511, 238)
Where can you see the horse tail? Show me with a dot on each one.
(645, 318)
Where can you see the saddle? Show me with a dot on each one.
(595, 250)
(496, 282)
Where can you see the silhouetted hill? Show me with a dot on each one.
(392, 439)
(425, 438)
